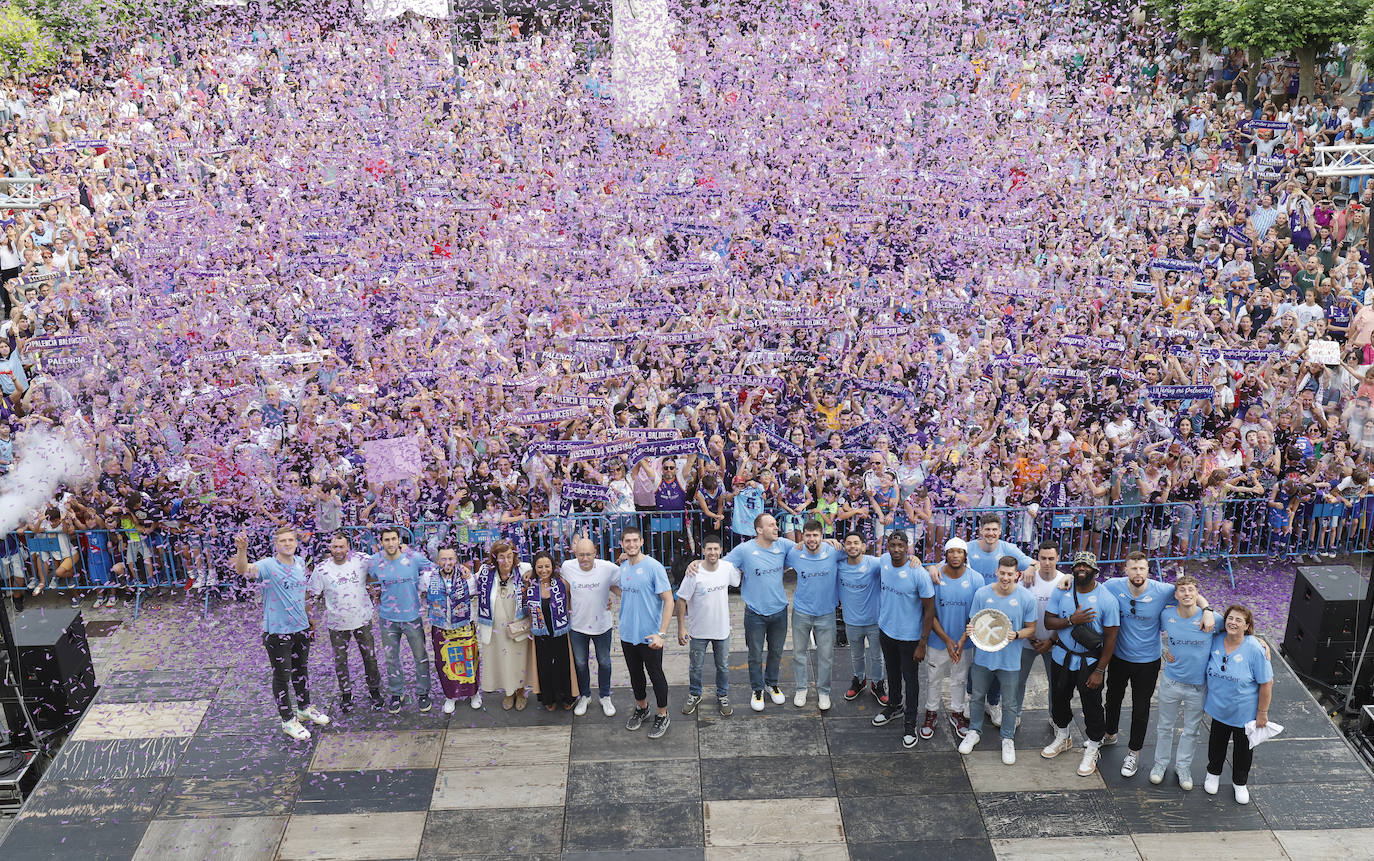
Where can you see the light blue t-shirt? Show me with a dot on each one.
(1061, 605)
(761, 574)
(641, 604)
(1233, 681)
(400, 581)
(283, 596)
(953, 598)
(900, 611)
(985, 561)
(1138, 640)
(818, 582)
(859, 588)
(748, 505)
(1020, 607)
(1189, 645)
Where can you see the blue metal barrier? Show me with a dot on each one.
(107, 561)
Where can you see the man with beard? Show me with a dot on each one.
(1087, 619)
(946, 657)
(906, 615)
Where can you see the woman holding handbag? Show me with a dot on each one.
(503, 628)
(547, 604)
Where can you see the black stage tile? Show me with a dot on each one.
(591, 783)
(846, 736)
(43, 840)
(159, 686)
(1308, 806)
(390, 790)
(1303, 761)
(1069, 813)
(945, 850)
(246, 756)
(467, 834)
(901, 819)
(118, 759)
(751, 777)
(606, 739)
(617, 827)
(94, 803)
(210, 797)
(791, 736)
(888, 774)
(1150, 809)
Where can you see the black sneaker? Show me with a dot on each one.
(377, 702)
(879, 690)
(346, 703)
(887, 715)
(394, 705)
(637, 717)
(424, 703)
(856, 687)
(660, 726)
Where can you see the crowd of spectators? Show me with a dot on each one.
(883, 265)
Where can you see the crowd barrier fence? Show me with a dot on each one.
(112, 560)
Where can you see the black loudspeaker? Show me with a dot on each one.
(56, 674)
(1327, 600)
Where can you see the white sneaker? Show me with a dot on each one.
(294, 729)
(1089, 762)
(607, 707)
(1008, 752)
(313, 715)
(476, 701)
(1242, 795)
(995, 715)
(1211, 784)
(581, 708)
(799, 700)
(777, 695)
(1157, 775)
(756, 701)
(1061, 743)
(1185, 782)
(1131, 763)
(823, 700)
(971, 739)
(449, 705)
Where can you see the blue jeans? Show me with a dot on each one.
(697, 657)
(863, 640)
(759, 628)
(581, 649)
(994, 694)
(982, 677)
(1028, 656)
(803, 625)
(414, 633)
(1172, 696)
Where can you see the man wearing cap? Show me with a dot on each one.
(1086, 618)
(946, 657)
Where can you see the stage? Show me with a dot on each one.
(187, 760)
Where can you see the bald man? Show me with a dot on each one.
(591, 581)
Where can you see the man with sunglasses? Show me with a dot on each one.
(1141, 602)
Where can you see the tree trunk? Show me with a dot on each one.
(1307, 72)
(1255, 58)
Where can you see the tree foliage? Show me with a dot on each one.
(24, 47)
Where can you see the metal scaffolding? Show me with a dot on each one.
(21, 192)
(1344, 160)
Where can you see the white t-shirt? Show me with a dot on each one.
(591, 590)
(1043, 590)
(707, 594)
(346, 603)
